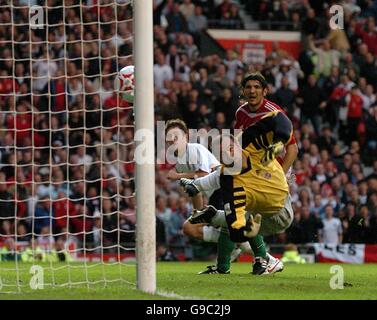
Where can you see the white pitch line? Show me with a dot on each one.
(174, 295)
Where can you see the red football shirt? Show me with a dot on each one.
(246, 118)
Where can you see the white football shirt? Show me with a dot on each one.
(197, 157)
(332, 228)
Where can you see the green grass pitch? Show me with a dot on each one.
(181, 281)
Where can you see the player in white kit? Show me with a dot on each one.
(193, 161)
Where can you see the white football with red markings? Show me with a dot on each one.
(127, 83)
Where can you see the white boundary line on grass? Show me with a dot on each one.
(168, 294)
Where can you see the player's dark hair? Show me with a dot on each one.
(255, 76)
(176, 123)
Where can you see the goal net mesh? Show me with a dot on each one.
(66, 144)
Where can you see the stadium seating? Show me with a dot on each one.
(335, 128)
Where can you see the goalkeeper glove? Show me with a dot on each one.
(271, 152)
(189, 186)
(253, 226)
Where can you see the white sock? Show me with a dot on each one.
(270, 257)
(209, 182)
(210, 234)
(219, 219)
(245, 247)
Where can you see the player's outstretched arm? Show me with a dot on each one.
(174, 175)
(291, 152)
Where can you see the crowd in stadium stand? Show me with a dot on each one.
(329, 93)
(50, 181)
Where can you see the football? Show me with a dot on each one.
(127, 83)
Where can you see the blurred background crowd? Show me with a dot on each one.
(84, 181)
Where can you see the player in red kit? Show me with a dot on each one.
(256, 106)
(254, 91)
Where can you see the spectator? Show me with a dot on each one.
(354, 104)
(285, 96)
(318, 206)
(226, 104)
(187, 8)
(22, 233)
(369, 34)
(223, 8)
(44, 68)
(353, 225)
(205, 118)
(162, 72)
(312, 101)
(63, 210)
(329, 85)
(109, 222)
(176, 20)
(233, 64)
(369, 98)
(326, 140)
(128, 221)
(205, 87)
(282, 16)
(175, 224)
(7, 205)
(305, 197)
(291, 70)
(84, 158)
(309, 226)
(43, 214)
(220, 78)
(162, 211)
(320, 175)
(369, 69)
(184, 69)
(326, 58)
(231, 18)
(197, 22)
(191, 48)
(338, 40)
(371, 130)
(220, 122)
(160, 239)
(332, 232)
(372, 225)
(310, 26)
(173, 59)
(46, 239)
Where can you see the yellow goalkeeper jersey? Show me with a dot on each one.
(260, 188)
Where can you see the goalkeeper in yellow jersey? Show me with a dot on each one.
(257, 198)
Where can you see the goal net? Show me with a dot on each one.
(67, 205)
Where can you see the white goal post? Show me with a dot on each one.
(145, 171)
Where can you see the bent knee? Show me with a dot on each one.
(193, 230)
